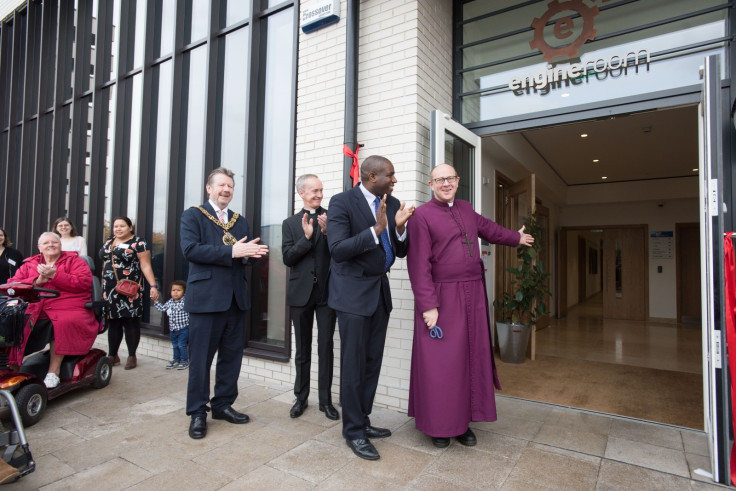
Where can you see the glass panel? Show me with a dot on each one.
(195, 64)
(460, 155)
(107, 98)
(6, 55)
(234, 108)
(269, 292)
(31, 90)
(86, 114)
(3, 169)
(19, 60)
(200, 15)
(115, 40)
(165, 34)
(47, 89)
(161, 182)
(140, 31)
(89, 49)
(66, 129)
(233, 11)
(67, 27)
(135, 147)
(541, 78)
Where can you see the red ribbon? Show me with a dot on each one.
(355, 169)
(730, 276)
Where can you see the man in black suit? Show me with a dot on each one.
(214, 241)
(305, 252)
(367, 231)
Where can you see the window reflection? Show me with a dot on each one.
(459, 154)
(161, 182)
(165, 34)
(108, 98)
(194, 68)
(234, 109)
(199, 10)
(269, 278)
(233, 11)
(135, 146)
(140, 29)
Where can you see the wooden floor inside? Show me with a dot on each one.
(644, 370)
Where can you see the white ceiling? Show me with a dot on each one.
(643, 146)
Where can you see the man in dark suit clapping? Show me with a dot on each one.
(215, 242)
(367, 231)
(305, 252)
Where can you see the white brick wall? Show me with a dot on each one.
(405, 71)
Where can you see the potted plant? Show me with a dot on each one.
(520, 307)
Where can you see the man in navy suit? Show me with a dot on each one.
(304, 247)
(214, 241)
(367, 231)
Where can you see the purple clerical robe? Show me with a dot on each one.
(453, 378)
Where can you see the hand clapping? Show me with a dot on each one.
(249, 249)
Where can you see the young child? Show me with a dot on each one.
(178, 324)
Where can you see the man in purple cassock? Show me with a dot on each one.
(452, 377)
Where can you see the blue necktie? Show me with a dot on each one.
(384, 240)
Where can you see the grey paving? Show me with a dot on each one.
(133, 435)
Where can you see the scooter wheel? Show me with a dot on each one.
(31, 402)
(103, 372)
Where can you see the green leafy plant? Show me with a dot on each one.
(526, 300)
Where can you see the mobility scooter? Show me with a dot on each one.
(26, 384)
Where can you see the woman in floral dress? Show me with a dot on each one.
(132, 260)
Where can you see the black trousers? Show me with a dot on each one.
(224, 333)
(303, 318)
(361, 340)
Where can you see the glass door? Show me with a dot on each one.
(454, 144)
(715, 380)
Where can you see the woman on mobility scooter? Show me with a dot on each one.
(64, 320)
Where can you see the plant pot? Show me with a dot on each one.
(512, 341)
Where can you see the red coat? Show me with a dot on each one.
(75, 328)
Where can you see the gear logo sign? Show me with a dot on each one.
(562, 29)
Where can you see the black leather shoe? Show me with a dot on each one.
(468, 438)
(440, 442)
(329, 411)
(298, 408)
(373, 432)
(231, 416)
(363, 449)
(198, 427)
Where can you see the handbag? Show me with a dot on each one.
(128, 288)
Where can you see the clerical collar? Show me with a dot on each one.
(450, 204)
(311, 212)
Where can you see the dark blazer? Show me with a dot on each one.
(357, 261)
(214, 275)
(305, 258)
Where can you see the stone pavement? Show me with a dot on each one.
(133, 435)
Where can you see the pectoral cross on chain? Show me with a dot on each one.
(469, 243)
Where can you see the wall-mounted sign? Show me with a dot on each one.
(561, 29)
(662, 244)
(319, 15)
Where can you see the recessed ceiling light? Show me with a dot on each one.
(566, 94)
(584, 135)
(604, 177)
(695, 169)
(595, 161)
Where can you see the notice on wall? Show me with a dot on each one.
(662, 245)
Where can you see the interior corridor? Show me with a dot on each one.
(644, 370)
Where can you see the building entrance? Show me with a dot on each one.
(619, 192)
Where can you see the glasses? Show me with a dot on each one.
(449, 179)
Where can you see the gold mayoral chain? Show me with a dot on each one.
(227, 237)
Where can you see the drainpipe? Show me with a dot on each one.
(351, 89)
